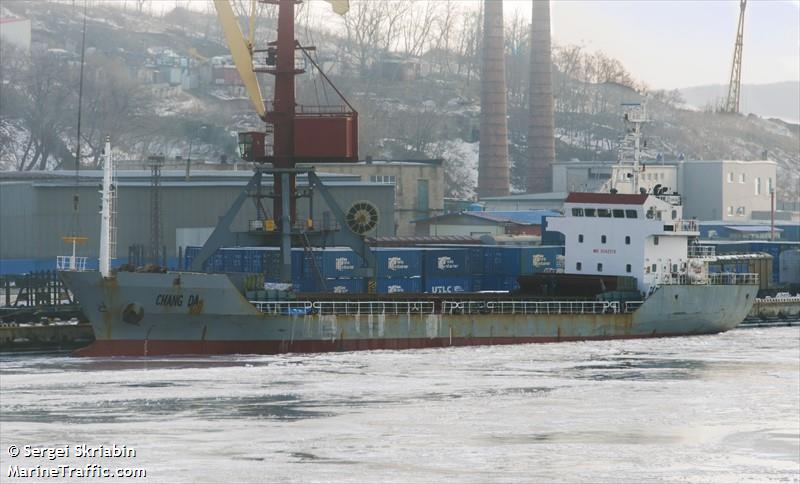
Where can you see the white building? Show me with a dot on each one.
(730, 190)
(642, 236)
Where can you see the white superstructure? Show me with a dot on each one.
(642, 236)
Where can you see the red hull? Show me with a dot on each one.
(103, 348)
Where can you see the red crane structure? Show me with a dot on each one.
(299, 134)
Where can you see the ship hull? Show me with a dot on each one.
(180, 314)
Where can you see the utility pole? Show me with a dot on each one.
(155, 163)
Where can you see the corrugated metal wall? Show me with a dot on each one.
(34, 215)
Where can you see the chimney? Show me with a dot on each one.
(541, 144)
(493, 175)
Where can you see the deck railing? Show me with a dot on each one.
(298, 308)
(719, 279)
(701, 251)
(729, 278)
(530, 307)
(685, 226)
(70, 263)
(301, 308)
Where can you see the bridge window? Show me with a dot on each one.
(580, 238)
(577, 212)
(627, 240)
(589, 212)
(742, 178)
(578, 266)
(730, 177)
(627, 267)
(618, 213)
(603, 212)
(602, 239)
(655, 240)
(631, 214)
(653, 268)
(599, 267)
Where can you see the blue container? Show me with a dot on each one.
(385, 285)
(232, 260)
(344, 286)
(253, 260)
(441, 263)
(500, 283)
(189, 254)
(216, 262)
(271, 260)
(476, 257)
(448, 284)
(503, 260)
(539, 259)
(391, 262)
(339, 262)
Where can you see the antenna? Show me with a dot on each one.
(72, 262)
(635, 115)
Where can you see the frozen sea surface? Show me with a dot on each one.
(720, 409)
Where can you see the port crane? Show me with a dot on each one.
(735, 84)
(293, 134)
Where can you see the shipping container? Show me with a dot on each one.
(272, 264)
(385, 285)
(499, 283)
(476, 257)
(448, 284)
(500, 259)
(789, 266)
(539, 259)
(343, 286)
(253, 260)
(232, 260)
(189, 253)
(338, 262)
(394, 262)
(441, 263)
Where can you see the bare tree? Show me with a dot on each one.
(370, 28)
(415, 28)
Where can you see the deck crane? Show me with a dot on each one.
(735, 85)
(299, 134)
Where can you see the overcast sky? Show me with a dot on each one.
(670, 44)
(666, 43)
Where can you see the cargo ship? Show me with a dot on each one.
(631, 266)
(630, 271)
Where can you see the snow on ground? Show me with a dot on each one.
(460, 165)
(14, 137)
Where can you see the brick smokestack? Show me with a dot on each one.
(541, 144)
(493, 174)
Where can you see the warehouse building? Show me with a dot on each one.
(37, 210)
(419, 186)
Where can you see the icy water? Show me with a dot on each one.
(722, 408)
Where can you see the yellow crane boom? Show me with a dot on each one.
(242, 48)
(242, 54)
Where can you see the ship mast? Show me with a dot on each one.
(107, 229)
(635, 115)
